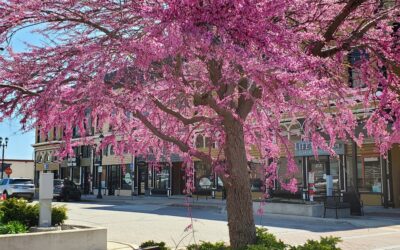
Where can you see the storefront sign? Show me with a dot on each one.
(305, 149)
(128, 179)
(71, 162)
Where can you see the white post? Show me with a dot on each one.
(329, 185)
(45, 198)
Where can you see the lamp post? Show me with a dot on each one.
(99, 168)
(3, 145)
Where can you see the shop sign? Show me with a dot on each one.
(305, 149)
(71, 162)
(128, 179)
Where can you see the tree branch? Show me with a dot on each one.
(181, 145)
(184, 120)
(317, 46)
(359, 33)
(20, 89)
(246, 104)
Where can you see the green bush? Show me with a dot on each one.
(326, 243)
(151, 243)
(27, 214)
(13, 227)
(58, 215)
(208, 246)
(19, 210)
(266, 240)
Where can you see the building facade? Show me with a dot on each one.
(20, 168)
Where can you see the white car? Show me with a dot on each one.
(17, 187)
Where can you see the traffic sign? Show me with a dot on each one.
(8, 171)
(46, 166)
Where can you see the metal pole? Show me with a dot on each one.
(132, 169)
(99, 195)
(2, 162)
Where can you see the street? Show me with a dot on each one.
(136, 223)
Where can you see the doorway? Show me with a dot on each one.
(113, 177)
(142, 177)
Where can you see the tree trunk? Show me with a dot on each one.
(238, 202)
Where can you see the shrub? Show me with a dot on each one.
(58, 215)
(209, 246)
(326, 243)
(19, 210)
(151, 243)
(13, 227)
(266, 240)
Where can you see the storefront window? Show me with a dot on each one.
(334, 169)
(126, 181)
(256, 177)
(369, 174)
(283, 173)
(203, 175)
(162, 178)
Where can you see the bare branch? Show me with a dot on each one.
(184, 120)
(20, 89)
(181, 145)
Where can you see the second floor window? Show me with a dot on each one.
(355, 58)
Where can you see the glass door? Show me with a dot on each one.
(319, 167)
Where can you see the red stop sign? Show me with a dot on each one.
(8, 171)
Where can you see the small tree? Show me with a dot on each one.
(158, 71)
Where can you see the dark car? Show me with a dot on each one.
(66, 190)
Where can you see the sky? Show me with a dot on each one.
(20, 142)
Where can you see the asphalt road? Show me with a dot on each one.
(135, 223)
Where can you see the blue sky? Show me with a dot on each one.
(20, 142)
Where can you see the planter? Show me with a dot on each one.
(78, 238)
(310, 210)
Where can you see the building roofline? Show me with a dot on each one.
(18, 160)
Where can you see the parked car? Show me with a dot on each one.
(66, 190)
(17, 187)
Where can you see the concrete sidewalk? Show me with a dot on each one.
(374, 216)
(175, 201)
(114, 245)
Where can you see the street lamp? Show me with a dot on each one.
(3, 145)
(99, 196)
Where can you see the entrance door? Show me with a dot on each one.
(142, 179)
(320, 168)
(113, 179)
(85, 180)
(178, 184)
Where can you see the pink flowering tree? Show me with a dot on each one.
(160, 71)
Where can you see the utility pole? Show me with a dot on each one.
(100, 168)
(3, 145)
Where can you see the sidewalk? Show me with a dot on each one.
(113, 245)
(374, 216)
(175, 201)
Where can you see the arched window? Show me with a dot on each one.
(46, 157)
(200, 141)
(39, 158)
